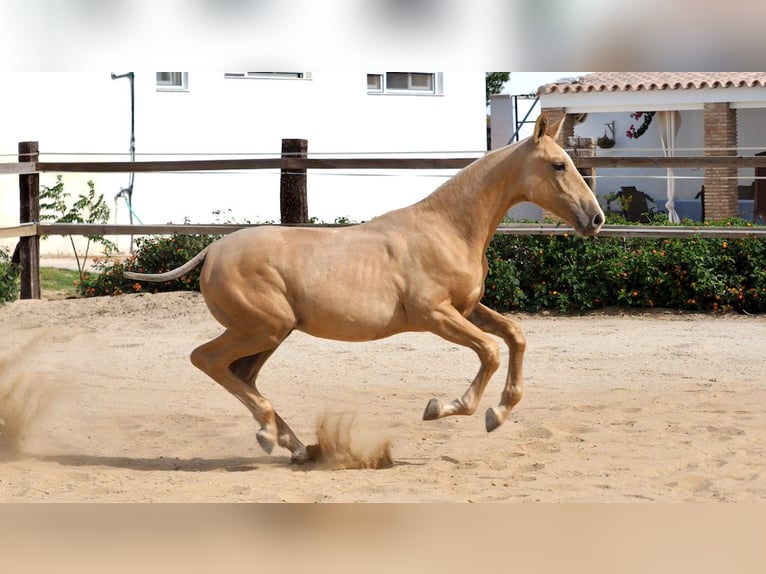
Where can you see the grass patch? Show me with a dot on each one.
(58, 281)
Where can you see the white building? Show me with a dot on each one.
(188, 115)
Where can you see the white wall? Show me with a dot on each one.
(333, 111)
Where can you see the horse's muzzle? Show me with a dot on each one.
(594, 226)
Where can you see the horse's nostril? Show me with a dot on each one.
(598, 220)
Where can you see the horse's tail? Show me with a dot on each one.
(172, 274)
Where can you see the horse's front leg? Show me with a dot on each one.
(495, 323)
(448, 323)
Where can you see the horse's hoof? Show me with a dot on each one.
(493, 418)
(301, 456)
(433, 410)
(313, 453)
(265, 440)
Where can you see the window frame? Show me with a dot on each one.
(437, 82)
(267, 75)
(171, 86)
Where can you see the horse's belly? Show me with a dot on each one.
(351, 320)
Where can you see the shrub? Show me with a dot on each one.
(154, 254)
(532, 273)
(9, 278)
(87, 208)
(574, 273)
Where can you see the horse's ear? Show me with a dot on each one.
(543, 128)
(555, 128)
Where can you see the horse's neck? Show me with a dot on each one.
(475, 200)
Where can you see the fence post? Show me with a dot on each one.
(29, 211)
(293, 200)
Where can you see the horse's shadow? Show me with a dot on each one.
(166, 464)
(174, 464)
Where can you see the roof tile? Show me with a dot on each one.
(637, 81)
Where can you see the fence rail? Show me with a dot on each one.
(287, 163)
(669, 231)
(32, 229)
(291, 161)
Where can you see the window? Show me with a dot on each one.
(404, 83)
(267, 75)
(374, 83)
(172, 81)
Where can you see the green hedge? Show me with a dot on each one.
(532, 273)
(576, 274)
(9, 278)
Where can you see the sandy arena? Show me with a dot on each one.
(99, 402)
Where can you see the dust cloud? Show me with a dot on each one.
(342, 445)
(26, 398)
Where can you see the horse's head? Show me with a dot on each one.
(552, 181)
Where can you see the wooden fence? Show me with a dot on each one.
(293, 164)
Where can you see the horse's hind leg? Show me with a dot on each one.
(247, 369)
(511, 333)
(233, 360)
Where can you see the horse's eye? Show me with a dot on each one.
(559, 165)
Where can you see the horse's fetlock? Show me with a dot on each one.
(464, 408)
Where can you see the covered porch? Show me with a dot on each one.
(711, 114)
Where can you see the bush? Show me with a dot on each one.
(575, 274)
(532, 273)
(152, 255)
(9, 278)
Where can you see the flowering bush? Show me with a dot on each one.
(531, 273)
(152, 255)
(575, 273)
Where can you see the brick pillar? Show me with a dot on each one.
(720, 127)
(584, 147)
(567, 130)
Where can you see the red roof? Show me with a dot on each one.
(637, 81)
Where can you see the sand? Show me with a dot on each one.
(99, 402)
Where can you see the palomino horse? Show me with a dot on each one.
(421, 268)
